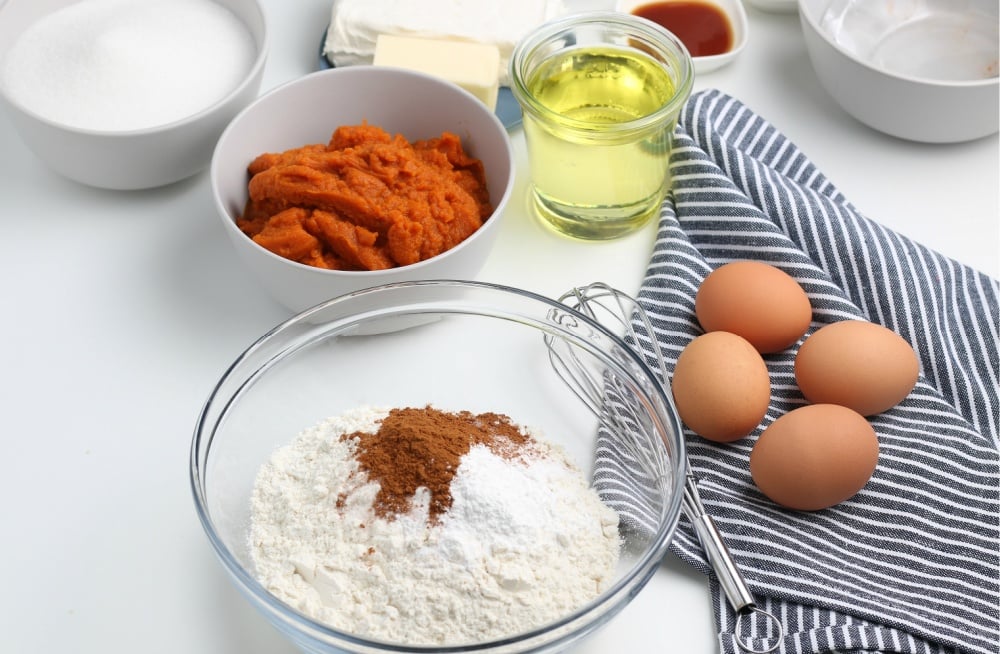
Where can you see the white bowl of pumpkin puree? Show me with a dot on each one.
(355, 177)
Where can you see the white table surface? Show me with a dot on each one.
(123, 308)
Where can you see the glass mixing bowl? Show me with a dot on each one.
(457, 346)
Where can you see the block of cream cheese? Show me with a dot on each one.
(356, 24)
(473, 66)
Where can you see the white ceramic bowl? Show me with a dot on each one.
(139, 158)
(732, 9)
(308, 110)
(925, 70)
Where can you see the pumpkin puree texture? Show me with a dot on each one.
(367, 200)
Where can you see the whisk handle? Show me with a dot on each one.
(730, 579)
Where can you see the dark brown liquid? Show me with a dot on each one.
(700, 26)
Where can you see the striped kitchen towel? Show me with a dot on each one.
(912, 562)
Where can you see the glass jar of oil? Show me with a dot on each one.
(600, 93)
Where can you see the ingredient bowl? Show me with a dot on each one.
(924, 70)
(57, 94)
(308, 111)
(457, 346)
(715, 32)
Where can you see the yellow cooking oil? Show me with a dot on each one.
(595, 172)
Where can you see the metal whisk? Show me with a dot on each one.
(618, 311)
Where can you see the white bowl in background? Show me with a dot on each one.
(925, 70)
(732, 9)
(308, 110)
(132, 159)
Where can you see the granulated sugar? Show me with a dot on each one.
(120, 65)
(524, 541)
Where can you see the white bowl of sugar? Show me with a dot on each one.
(128, 94)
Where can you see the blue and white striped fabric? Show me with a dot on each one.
(912, 563)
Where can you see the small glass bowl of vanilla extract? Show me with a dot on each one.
(713, 31)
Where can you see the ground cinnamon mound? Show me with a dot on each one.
(367, 200)
(422, 447)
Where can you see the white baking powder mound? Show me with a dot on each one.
(526, 541)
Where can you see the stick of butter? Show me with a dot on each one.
(356, 24)
(473, 66)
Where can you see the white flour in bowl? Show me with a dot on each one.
(524, 540)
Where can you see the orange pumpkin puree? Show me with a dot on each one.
(366, 200)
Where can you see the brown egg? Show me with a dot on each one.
(755, 300)
(856, 364)
(721, 386)
(814, 457)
